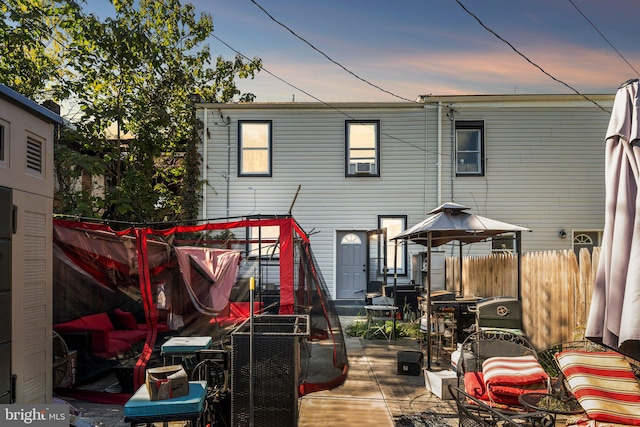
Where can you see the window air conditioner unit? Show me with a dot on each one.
(363, 168)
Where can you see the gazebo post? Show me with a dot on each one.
(429, 300)
(460, 267)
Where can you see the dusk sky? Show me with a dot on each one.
(413, 47)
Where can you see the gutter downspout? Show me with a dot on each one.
(439, 189)
(205, 152)
(426, 160)
(228, 123)
(450, 114)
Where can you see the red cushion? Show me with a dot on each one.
(128, 335)
(243, 309)
(474, 385)
(509, 394)
(76, 325)
(97, 322)
(126, 320)
(160, 327)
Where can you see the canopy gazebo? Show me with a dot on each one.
(450, 222)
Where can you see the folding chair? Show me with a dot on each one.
(378, 313)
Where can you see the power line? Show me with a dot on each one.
(605, 39)
(528, 60)
(328, 57)
(316, 98)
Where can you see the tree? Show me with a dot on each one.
(31, 57)
(133, 73)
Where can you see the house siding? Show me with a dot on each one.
(544, 160)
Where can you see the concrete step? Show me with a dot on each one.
(350, 307)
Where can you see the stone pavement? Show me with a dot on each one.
(374, 394)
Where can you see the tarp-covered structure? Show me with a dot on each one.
(191, 279)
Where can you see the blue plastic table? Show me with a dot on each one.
(183, 347)
(139, 409)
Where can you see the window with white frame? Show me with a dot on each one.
(395, 224)
(362, 148)
(504, 243)
(469, 148)
(264, 241)
(255, 147)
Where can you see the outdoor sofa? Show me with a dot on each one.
(107, 335)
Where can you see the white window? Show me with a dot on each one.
(351, 239)
(587, 240)
(264, 241)
(362, 148)
(394, 225)
(254, 148)
(469, 148)
(504, 243)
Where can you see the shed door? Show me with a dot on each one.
(6, 230)
(351, 262)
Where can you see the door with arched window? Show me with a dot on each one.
(585, 239)
(351, 264)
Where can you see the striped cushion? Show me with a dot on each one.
(582, 420)
(520, 370)
(604, 384)
(508, 377)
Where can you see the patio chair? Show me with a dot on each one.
(378, 313)
(481, 345)
(604, 382)
(473, 412)
(496, 367)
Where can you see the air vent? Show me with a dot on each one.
(363, 168)
(34, 155)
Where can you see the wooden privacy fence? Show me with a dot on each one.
(556, 289)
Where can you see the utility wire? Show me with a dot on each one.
(528, 60)
(602, 35)
(316, 98)
(328, 57)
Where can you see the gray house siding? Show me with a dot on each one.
(544, 160)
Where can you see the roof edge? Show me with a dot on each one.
(30, 105)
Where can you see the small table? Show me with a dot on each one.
(140, 409)
(183, 348)
(552, 404)
(377, 318)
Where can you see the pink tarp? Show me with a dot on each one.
(218, 266)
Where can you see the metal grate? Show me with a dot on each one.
(276, 371)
